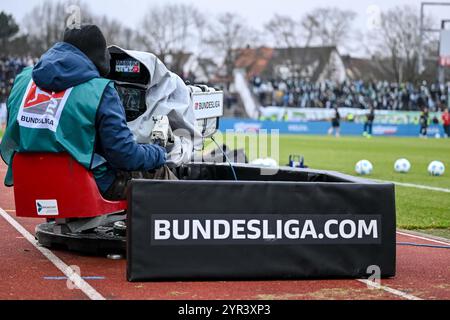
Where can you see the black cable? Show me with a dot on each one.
(226, 157)
(410, 244)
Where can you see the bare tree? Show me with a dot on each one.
(171, 30)
(116, 33)
(46, 23)
(228, 34)
(287, 32)
(398, 38)
(330, 26)
(284, 31)
(324, 26)
(308, 27)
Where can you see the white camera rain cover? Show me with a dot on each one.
(166, 95)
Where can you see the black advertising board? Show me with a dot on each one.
(326, 225)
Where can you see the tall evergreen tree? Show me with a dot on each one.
(8, 29)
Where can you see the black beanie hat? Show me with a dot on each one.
(91, 41)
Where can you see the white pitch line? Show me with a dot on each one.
(417, 186)
(76, 279)
(396, 292)
(422, 238)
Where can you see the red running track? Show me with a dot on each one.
(26, 274)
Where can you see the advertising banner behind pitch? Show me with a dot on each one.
(321, 128)
(358, 115)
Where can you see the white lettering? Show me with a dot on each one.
(238, 226)
(162, 231)
(363, 229)
(198, 227)
(309, 230)
(328, 234)
(295, 231)
(176, 230)
(279, 229)
(352, 232)
(266, 234)
(255, 230)
(226, 232)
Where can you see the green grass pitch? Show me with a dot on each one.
(416, 208)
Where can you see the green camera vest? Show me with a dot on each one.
(49, 122)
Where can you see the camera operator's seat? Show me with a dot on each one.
(55, 186)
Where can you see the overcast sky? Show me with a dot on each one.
(257, 12)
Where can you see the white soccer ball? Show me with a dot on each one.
(402, 166)
(266, 162)
(436, 168)
(364, 167)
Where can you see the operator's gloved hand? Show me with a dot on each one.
(178, 152)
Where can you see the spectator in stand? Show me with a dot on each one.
(9, 68)
(335, 124)
(446, 122)
(303, 93)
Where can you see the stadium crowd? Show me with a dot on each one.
(380, 95)
(9, 68)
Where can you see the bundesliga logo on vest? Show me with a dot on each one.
(42, 109)
(51, 122)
